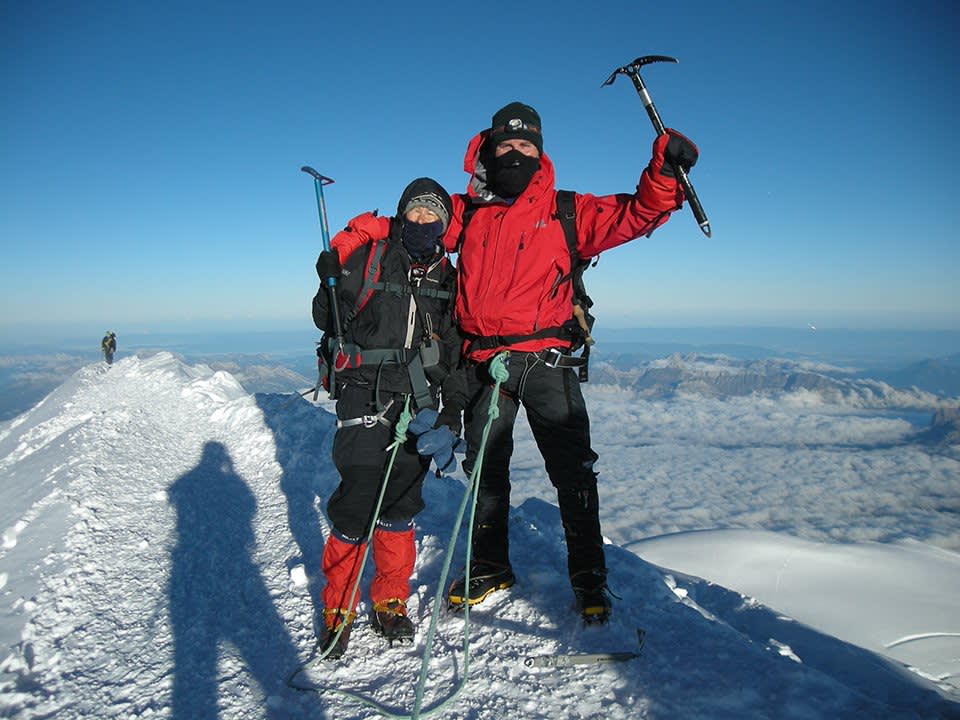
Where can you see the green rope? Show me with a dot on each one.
(500, 374)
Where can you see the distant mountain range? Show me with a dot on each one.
(718, 375)
(940, 376)
(722, 376)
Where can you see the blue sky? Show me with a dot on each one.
(150, 153)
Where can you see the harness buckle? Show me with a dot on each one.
(367, 421)
(551, 357)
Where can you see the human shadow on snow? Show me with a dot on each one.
(217, 594)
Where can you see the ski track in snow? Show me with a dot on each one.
(187, 582)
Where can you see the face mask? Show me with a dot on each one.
(420, 239)
(513, 171)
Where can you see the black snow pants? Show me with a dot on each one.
(558, 418)
(361, 456)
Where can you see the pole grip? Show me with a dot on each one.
(648, 105)
(322, 208)
(331, 281)
(325, 233)
(694, 201)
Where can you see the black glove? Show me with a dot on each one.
(451, 418)
(678, 151)
(328, 265)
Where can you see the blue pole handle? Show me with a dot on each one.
(318, 182)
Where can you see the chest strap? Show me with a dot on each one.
(406, 289)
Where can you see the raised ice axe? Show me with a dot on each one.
(633, 71)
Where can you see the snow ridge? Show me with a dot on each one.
(162, 534)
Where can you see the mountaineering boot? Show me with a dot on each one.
(332, 620)
(592, 597)
(389, 618)
(485, 578)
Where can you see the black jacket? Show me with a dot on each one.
(413, 303)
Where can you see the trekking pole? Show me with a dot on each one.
(318, 182)
(633, 71)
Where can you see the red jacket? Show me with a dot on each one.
(513, 257)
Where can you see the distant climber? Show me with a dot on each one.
(109, 346)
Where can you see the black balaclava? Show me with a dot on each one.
(513, 171)
(422, 240)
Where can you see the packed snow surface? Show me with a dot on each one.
(162, 532)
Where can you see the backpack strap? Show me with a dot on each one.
(405, 289)
(567, 215)
(371, 274)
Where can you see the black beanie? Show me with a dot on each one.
(428, 193)
(516, 120)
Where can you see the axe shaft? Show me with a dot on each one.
(682, 178)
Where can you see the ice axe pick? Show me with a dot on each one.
(633, 71)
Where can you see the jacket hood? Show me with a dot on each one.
(477, 185)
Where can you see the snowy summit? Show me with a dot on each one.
(162, 533)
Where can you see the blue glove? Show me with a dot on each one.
(440, 442)
(424, 421)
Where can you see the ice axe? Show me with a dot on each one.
(318, 182)
(633, 71)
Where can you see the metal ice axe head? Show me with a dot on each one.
(633, 69)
